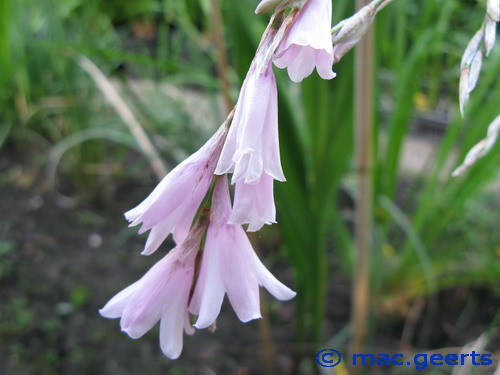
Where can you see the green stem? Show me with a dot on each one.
(364, 203)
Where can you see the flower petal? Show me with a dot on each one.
(116, 305)
(308, 43)
(239, 280)
(254, 204)
(271, 283)
(171, 328)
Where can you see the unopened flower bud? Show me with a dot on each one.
(490, 30)
(480, 149)
(472, 49)
(494, 128)
(463, 90)
(348, 32)
(474, 71)
(493, 9)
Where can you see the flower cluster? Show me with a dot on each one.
(228, 265)
(213, 256)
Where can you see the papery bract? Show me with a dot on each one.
(230, 265)
(172, 205)
(308, 43)
(161, 294)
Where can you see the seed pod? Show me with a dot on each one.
(490, 30)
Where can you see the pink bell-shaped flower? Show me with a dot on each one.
(252, 144)
(254, 204)
(230, 266)
(162, 294)
(172, 205)
(308, 43)
(251, 151)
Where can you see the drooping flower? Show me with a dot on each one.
(308, 43)
(172, 205)
(230, 266)
(162, 294)
(251, 151)
(252, 144)
(254, 204)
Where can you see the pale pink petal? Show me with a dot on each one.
(248, 166)
(324, 70)
(209, 292)
(183, 225)
(243, 207)
(229, 265)
(308, 43)
(162, 291)
(158, 234)
(239, 280)
(287, 57)
(221, 209)
(188, 328)
(303, 65)
(179, 190)
(339, 50)
(270, 142)
(247, 126)
(114, 308)
(226, 163)
(147, 305)
(254, 204)
(271, 283)
(252, 145)
(173, 204)
(171, 327)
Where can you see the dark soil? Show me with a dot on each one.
(60, 263)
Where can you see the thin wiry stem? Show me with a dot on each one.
(222, 60)
(364, 89)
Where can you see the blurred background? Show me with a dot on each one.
(70, 165)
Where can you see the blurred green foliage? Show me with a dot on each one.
(432, 231)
